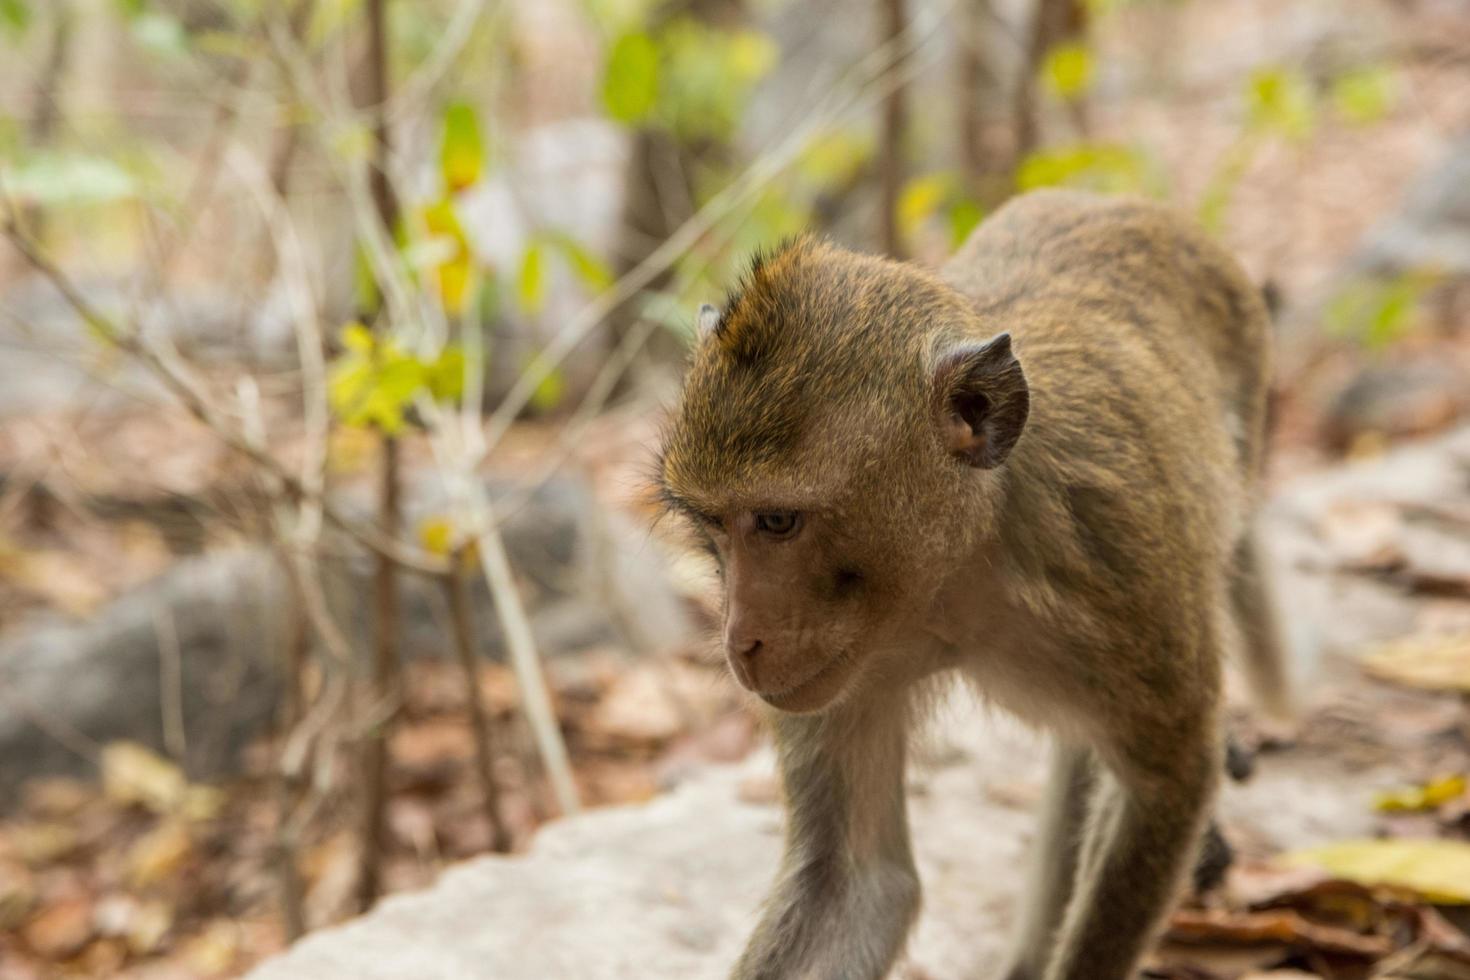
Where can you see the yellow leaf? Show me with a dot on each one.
(1437, 870)
(1067, 71)
(357, 338)
(454, 284)
(159, 854)
(1434, 793)
(134, 774)
(920, 198)
(1437, 663)
(436, 534)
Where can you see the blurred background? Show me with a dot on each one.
(334, 337)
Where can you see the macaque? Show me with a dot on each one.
(1034, 469)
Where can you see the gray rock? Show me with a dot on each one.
(102, 677)
(670, 889)
(1432, 229)
(1395, 400)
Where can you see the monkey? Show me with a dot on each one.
(1034, 468)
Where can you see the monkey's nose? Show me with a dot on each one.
(742, 653)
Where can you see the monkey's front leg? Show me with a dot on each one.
(847, 892)
(1144, 830)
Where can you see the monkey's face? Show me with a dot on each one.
(825, 449)
(796, 604)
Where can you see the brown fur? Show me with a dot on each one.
(1061, 517)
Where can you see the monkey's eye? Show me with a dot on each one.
(778, 523)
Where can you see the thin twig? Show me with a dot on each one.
(892, 139)
(167, 366)
(387, 679)
(170, 683)
(461, 616)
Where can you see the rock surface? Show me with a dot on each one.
(669, 889)
(587, 576)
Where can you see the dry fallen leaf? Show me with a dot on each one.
(40, 843)
(132, 773)
(17, 895)
(1437, 870)
(1272, 926)
(159, 854)
(61, 929)
(1436, 662)
(1425, 796)
(60, 578)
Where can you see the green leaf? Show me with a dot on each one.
(15, 15)
(920, 198)
(750, 55)
(445, 374)
(462, 150)
(550, 392)
(1067, 71)
(630, 83)
(1220, 190)
(1364, 96)
(1104, 167)
(1281, 101)
(708, 74)
(1377, 312)
(364, 281)
(964, 215)
(592, 271)
(835, 158)
(55, 180)
(531, 282)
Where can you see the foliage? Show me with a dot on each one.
(688, 77)
(1365, 94)
(940, 194)
(70, 179)
(1067, 71)
(1105, 167)
(15, 16)
(1377, 312)
(1280, 101)
(375, 380)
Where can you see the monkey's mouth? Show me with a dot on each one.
(814, 693)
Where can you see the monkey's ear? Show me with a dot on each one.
(982, 400)
(709, 319)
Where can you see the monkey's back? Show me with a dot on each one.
(1146, 349)
(1126, 282)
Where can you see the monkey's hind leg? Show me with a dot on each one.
(1144, 829)
(1262, 654)
(1053, 861)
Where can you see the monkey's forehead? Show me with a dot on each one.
(716, 458)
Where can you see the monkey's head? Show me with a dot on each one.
(839, 449)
